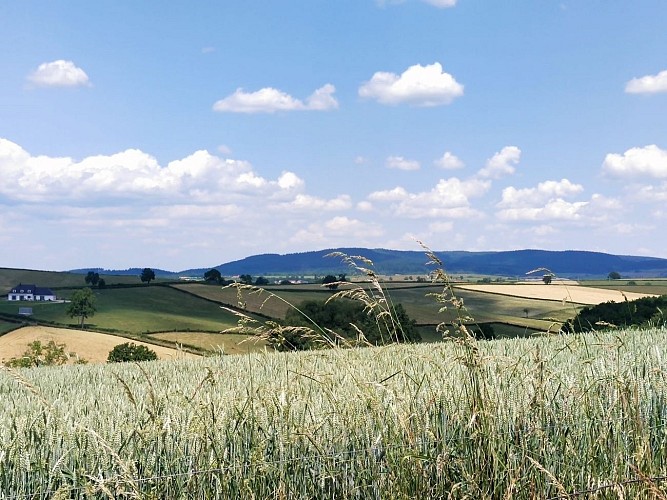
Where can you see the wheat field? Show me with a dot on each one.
(523, 418)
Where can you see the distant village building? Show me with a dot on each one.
(30, 292)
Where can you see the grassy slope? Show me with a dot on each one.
(140, 310)
(7, 326)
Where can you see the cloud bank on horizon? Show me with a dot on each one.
(181, 156)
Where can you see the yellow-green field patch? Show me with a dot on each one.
(564, 293)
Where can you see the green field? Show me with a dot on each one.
(190, 307)
(484, 307)
(550, 417)
(7, 326)
(137, 310)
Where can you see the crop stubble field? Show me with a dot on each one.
(91, 346)
(570, 293)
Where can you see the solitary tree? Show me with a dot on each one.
(613, 276)
(246, 279)
(147, 275)
(81, 305)
(261, 281)
(213, 275)
(92, 278)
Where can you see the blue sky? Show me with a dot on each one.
(136, 134)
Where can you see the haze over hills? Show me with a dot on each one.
(570, 263)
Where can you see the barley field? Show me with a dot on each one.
(581, 416)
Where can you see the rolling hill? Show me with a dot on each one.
(567, 263)
(571, 263)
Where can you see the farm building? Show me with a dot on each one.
(30, 292)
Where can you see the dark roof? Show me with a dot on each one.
(33, 289)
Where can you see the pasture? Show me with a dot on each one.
(524, 418)
(138, 310)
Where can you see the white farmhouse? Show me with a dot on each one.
(30, 292)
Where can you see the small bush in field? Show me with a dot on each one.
(131, 352)
(39, 354)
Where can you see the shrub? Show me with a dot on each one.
(131, 352)
(38, 354)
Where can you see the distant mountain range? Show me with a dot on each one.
(570, 263)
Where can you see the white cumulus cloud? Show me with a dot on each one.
(648, 161)
(448, 161)
(649, 84)
(450, 198)
(308, 203)
(418, 85)
(651, 193)
(396, 194)
(501, 163)
(59, 73)
(554, 209)
(400, 163)
(133, 174)
(513, 197)
(546, 202)
(270, 100)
